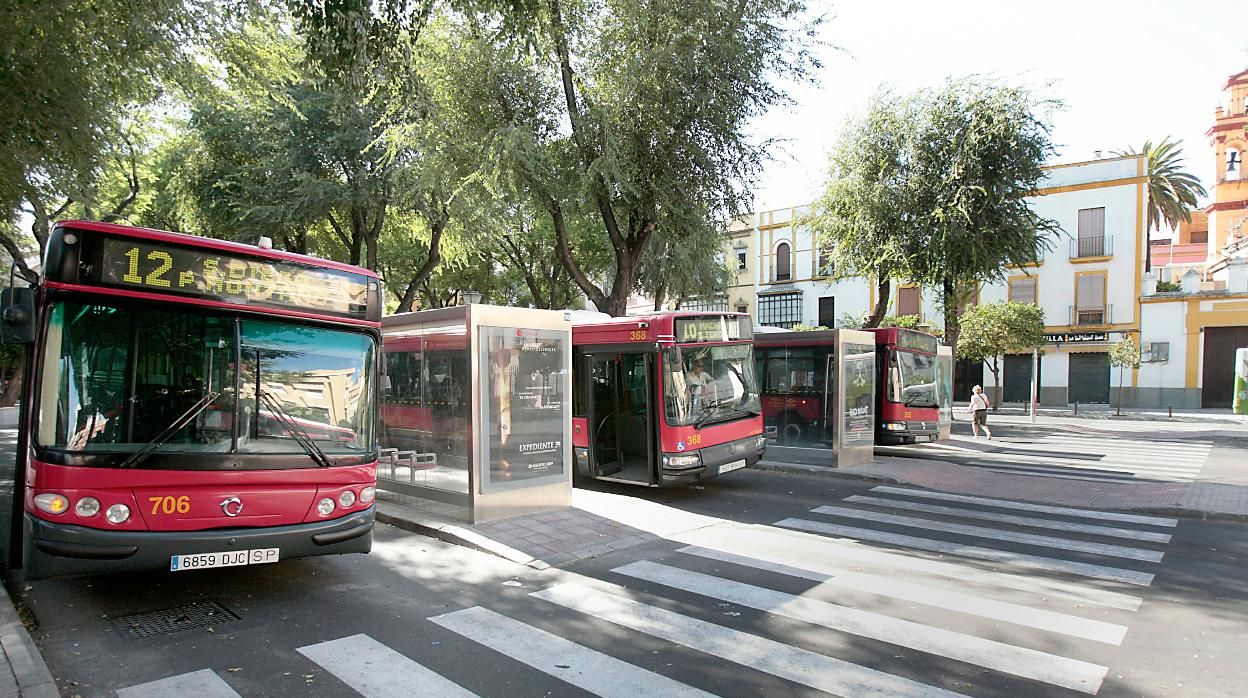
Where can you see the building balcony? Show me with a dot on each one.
(1091, 317)
(1091, 247)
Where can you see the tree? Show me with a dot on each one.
(70, 102)
(1124, 353)
(1172, 193)
(858, 220)
(653, 96)
(977, 154)
(992, 330)
(682, 271)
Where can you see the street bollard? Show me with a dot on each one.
(1169, 410)
(1076, 409)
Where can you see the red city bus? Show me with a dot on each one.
(907, 401)
(665, 399)
(193, 403)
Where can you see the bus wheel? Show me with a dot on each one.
(792, 432)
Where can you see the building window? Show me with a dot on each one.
(741, 260)
(827, 312)
(743, 308)
(1091, 240)
(1232, 163)
(780, 309)
(1199, 237)
(784, 267)
(1090, 299)
(823, 263)
(1023, 290)
(714, 304)
(909, 300)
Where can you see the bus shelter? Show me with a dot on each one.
(944, 390)
(818, 395)
(476, 409)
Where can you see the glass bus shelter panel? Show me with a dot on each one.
(858, 397)
(796, 384)
(525, 399)
(944, 390)
(426, 414)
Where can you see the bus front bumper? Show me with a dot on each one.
(56, 550)
(712, 461)
(898, 432)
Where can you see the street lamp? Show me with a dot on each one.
(472, 297)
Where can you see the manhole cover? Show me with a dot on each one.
(172, 620)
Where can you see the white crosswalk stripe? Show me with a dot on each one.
(1031, 506)
(994, 534)
(580, 666)
(973, 551)
(796, 664)
(933, 595)
(1091, 529)
(204, 683)
(376, 671)
(1096, 457)
(1020, 661)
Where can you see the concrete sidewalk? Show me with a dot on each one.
(1210, 415)
(23, 671)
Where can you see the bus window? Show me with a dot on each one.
(912, 379)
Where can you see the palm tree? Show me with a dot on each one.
(1172, 193)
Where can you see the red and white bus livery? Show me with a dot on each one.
(663, 400)
(193, 403)
(907, 400)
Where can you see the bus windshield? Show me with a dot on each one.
(704, 383)
(912, 379)
(118, 377)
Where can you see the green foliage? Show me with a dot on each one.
(850, 321)
(1168, 286)
(807, 328)
(931, 187)
(995, 329)
(1172, 193)
(1125, 353)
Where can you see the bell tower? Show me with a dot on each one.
(1228, 212)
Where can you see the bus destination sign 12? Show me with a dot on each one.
(221, 276)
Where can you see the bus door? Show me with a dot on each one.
(621, 415)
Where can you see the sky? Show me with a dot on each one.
(1126, 72)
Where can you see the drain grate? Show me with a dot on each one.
(172, 620)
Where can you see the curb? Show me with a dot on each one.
(33, 679)
(453, 534)
(824, 471)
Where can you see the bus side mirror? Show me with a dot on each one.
(385, 385)
(17, 319)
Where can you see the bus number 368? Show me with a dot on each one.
(170, 505)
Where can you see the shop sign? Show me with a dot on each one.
(1076, 337)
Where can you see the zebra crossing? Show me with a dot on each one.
(895, 592)
(1094, 457)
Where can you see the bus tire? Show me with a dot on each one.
(792, 428)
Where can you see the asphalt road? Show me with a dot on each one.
(731, 609)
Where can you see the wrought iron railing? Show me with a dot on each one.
(1098, 246)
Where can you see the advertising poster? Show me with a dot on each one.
(523, 383)
(859, 367)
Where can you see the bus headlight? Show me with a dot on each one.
(87, 506)
(52, 503)
(346, 499)
(682, 460)
(325, 507)
(894, 426)
(368, 494)
(117, 514)
(760, 442)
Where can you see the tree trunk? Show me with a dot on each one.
(953, 324)
(436, 228)
(883, 287)
(13, 389)
(996, 384)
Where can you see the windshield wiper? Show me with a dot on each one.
(150, 447)
(301, 437)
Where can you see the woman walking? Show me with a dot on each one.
(979, 412)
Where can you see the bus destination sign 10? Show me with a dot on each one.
(219, 275)
(713, 329)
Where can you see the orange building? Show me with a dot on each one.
(1229, 135)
